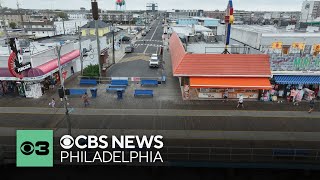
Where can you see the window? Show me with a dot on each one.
(285, 49)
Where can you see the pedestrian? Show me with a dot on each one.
(311, 104)
(52, 103)
(85, 99)
(225, 96)
(144, 42)
(240, 102)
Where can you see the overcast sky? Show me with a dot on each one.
(270, 5)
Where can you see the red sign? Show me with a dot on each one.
(64, 75)
(12, 66)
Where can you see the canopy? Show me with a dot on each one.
(286, 79)
(230, 82)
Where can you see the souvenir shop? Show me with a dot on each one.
(290, 87)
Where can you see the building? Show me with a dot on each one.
(15, 17)
(209, 76)
(76, 15)
(152, 7)
(120, 17)
(310, 11)
(294, 56)
(41, 57)
(176, 14)
(262, 37)
(90, 29)
(215, 14)
(69, 27)
(39, 29)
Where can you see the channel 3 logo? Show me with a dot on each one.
(34, 148)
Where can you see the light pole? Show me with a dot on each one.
(65, 103)
(95, 15)
(80, 48)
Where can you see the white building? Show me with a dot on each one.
(76, 15)
(310, 11)
(262, 37)
(39, 29)
(69, 27)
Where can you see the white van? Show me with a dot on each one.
(154, 61)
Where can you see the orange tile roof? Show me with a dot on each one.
(217, 65)
(177, 49)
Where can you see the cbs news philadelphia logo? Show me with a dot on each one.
(34, 148)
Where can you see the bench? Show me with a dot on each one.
(142, 92)
(88, 82)
(119, 82)
(77, 91)
(116, 86)
(115, 89)
(149, 82)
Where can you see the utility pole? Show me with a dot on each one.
(113, 50)
(5, 28)
(95, 15)
(21, 16)
(65, 103)
(80, 48)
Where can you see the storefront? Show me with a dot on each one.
(212, 76)
(217, 88)
(307, 85)
(34, 82)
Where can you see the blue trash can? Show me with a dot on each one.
(94, 92)
(120, 94)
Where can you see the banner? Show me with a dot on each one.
(276, 45)
(300, 46)
(316, 48)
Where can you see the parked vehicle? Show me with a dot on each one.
(125, 38)
(154, 61)
(129, 49)
(143, 33)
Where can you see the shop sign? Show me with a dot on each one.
(210, 95)
(295, 63)
(16, 66)
(248, 95)
(306, 62)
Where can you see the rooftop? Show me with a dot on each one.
(272, 31)
(216, 65)
(91, 24)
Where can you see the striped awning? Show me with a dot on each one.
(285, 79)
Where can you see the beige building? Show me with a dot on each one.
(13, 17)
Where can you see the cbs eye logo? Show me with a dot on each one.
(41, 148)
(66, 142)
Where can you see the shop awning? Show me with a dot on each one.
(286, 79)
(230, 82)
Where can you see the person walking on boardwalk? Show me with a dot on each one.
(85, 99)
(311, 104)
(240, 102)
(52, 103)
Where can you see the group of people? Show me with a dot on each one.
(85, 99)
(296, 97)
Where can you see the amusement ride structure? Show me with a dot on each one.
(120, 5)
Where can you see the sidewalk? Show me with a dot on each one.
(160, 112)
